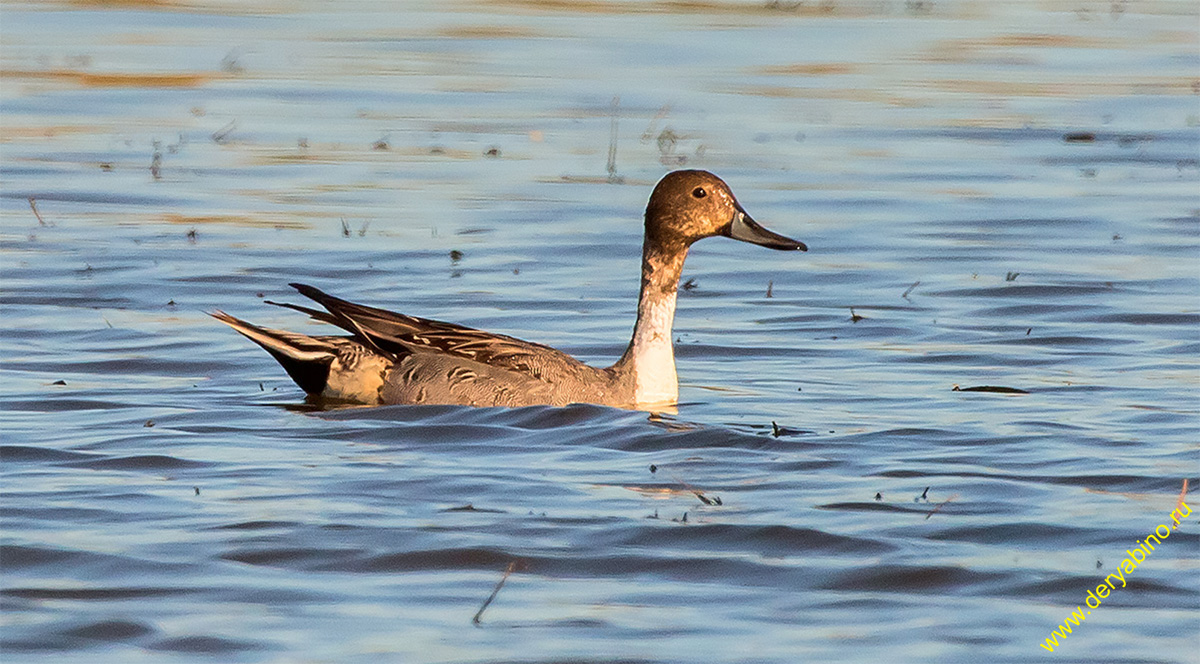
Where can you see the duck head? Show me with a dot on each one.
(687, 206)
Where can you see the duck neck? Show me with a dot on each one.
(649, 361)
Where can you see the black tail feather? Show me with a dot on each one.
(306, 359)
(316, 314)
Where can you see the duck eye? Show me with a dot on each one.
(699, 192)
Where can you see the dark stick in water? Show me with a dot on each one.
(940, 506)
(495, 591)
(33, 206)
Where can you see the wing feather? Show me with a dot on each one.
(393, 333)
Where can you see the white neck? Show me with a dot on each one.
(651, 351)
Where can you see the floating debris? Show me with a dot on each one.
(690, 285)
(854, 318)
(492, 152)
(652, 129)
(362, 230)
(878, 496)
(221, 136)
(59, 382)
(456, 255)
(156, 162)
(780, 431)
(196, 489)
(1079, 137)
(230, 64)
(990, 388)
(1011, 276)
(715, 500)
(611, 167)
(653, 469)
(471, 508)
(148, 424)
(33, 206)
(770, 285)
(479, 614)
(667, 140)
(940, 506)
(910, 289)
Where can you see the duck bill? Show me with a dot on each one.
(743, 228)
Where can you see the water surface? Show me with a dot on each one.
(994, 194)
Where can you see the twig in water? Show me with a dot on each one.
(910, 289)
(653, 128)
(33, 206)
(221, 135)
(156, 162)
(495, 591)
(770, 285)
(613, 178)
(715, 500)
(940, 506)
(998, 389)
(666, 149)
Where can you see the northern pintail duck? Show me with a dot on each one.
(391, 358)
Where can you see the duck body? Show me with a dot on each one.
(392, 358)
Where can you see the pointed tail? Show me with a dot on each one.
(306, 359)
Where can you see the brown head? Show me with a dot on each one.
(691, 205)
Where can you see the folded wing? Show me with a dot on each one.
(392, 334)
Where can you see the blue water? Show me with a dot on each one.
(993, 195)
